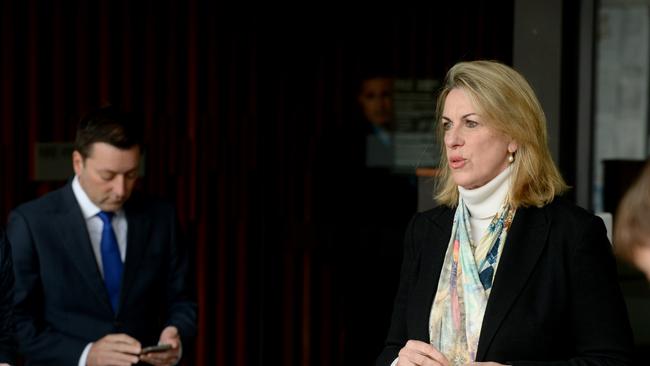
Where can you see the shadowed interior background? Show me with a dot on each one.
(234, 103)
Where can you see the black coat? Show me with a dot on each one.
(555, 298)
(61, 303)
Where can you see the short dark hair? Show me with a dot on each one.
(109, 125)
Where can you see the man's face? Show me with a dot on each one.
(108, 174)
(376, 100)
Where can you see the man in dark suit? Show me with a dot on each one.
(100, 273)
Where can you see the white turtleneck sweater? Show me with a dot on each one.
(484, 202)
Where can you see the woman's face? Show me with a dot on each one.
(475, 152)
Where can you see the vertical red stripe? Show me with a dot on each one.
(58, 75)
(192, 58)
(192, 102)
(327, 321)
(241, 345)
(175, 138)
(7, 76)
(149, 87)
(339, 91)
(82, 58)
(210, 159)
(104, 53)
(32, 103)
(150, 56)
(288, 316)
(7, 102)
(240, 212)
(201, 285)
(222, 263)
(171, 59)
(212, 122)
(249, 133)
(127, 57)
(306, 308)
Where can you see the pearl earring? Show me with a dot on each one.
(511, 158)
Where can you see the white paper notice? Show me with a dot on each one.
(621, 112)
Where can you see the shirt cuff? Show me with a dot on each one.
(84, 355)
(394, 363)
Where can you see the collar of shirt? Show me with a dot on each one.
(382, 134)
(94, 224)
(88, 208)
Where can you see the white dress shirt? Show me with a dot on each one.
(95, 225)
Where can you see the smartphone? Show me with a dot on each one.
(156, 348)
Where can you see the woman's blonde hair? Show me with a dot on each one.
(510, 107)
(632, 220)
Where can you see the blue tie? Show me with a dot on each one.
(111, 260)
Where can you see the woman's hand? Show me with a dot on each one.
(417, 353)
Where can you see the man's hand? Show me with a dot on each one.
(114, 350)
(170, 357)
(417, 353)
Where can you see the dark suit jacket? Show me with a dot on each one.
(7, 342)
(555, 298)
(60, 299)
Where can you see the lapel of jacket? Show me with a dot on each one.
(432, 257)
(136, 244)
(72, 228)
(524, 245)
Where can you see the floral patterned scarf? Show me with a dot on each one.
(465, 284)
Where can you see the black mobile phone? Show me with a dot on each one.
(156, 348)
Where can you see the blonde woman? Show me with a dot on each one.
(503, 271)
